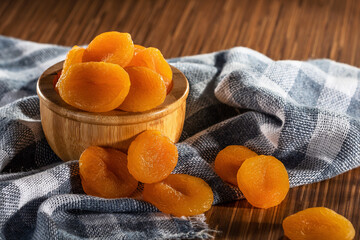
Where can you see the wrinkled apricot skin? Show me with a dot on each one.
(318, 223)
(94, 86)
(112, 47)
(147, 90)
(151, 157)
(229, 160)
(104, 173)
(153, 59)
(138, 48)
(180, 195)
(263, 180)
(73, 56)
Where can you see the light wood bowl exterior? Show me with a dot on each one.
(69, 131)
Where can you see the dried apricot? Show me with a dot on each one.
(104, 173)
(55, 80)
(263, 180)
(153, 59)
(318, 223)
(138, 48)
(229, 160)
(94, 86)
(73, 56)
(111, 47)
(151, 157)
(146, 92)
(180, 195)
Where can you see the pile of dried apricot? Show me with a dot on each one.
(264, 182)
(151, 158)
(262, 179)
(110, 173)
(113, 73)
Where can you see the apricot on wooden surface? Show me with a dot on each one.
(318, 223)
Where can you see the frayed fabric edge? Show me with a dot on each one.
(199, 222)
(201, 229)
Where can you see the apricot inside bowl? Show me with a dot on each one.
(69, 131)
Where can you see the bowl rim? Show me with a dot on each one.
(51, 100)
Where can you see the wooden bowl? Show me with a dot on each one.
(69, 131)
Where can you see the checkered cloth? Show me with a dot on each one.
(307, 114)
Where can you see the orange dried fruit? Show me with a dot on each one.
(263, 180)
(146, 92)
(94, 86)
(151, 157)
(104, 173)
(138, 48)
(111, 47)
(55, 80)
(73, 56)
(229, 160)
(180, 195)
(318, 223)
(153, 59)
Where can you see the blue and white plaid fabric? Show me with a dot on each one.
(307, 114)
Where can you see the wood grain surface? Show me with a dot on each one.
(281, 29)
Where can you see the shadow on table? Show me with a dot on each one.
(240, 220)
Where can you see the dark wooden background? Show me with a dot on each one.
(281, 29)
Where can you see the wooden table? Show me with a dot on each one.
(281, 29)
